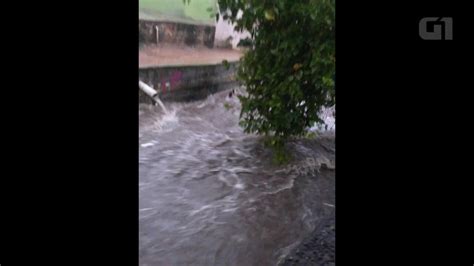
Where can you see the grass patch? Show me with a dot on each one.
(196, 10)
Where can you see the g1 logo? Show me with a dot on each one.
(434, 28)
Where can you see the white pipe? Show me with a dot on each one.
(157, 34)
(147, 89)
(152, 93)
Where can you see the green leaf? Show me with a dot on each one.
(226, 64)
(269, 14)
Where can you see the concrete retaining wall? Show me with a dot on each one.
(185, 83)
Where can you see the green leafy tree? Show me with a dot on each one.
(289, 70)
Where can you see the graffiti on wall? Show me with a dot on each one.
(170, 82)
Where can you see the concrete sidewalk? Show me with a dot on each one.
(184, 56)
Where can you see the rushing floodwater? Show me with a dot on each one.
(209, 194)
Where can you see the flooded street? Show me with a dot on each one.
(209, 194)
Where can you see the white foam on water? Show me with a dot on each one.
(230, 209)
(200, 209)
(286, 186)
(238, 170)
(149, 144)
(239, 186)
(166, 121)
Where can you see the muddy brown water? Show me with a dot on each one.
(209, 194)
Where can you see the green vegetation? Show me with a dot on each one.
(289, 71)
(175, 10)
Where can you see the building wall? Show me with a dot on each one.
(175, 33)
(224, 30)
